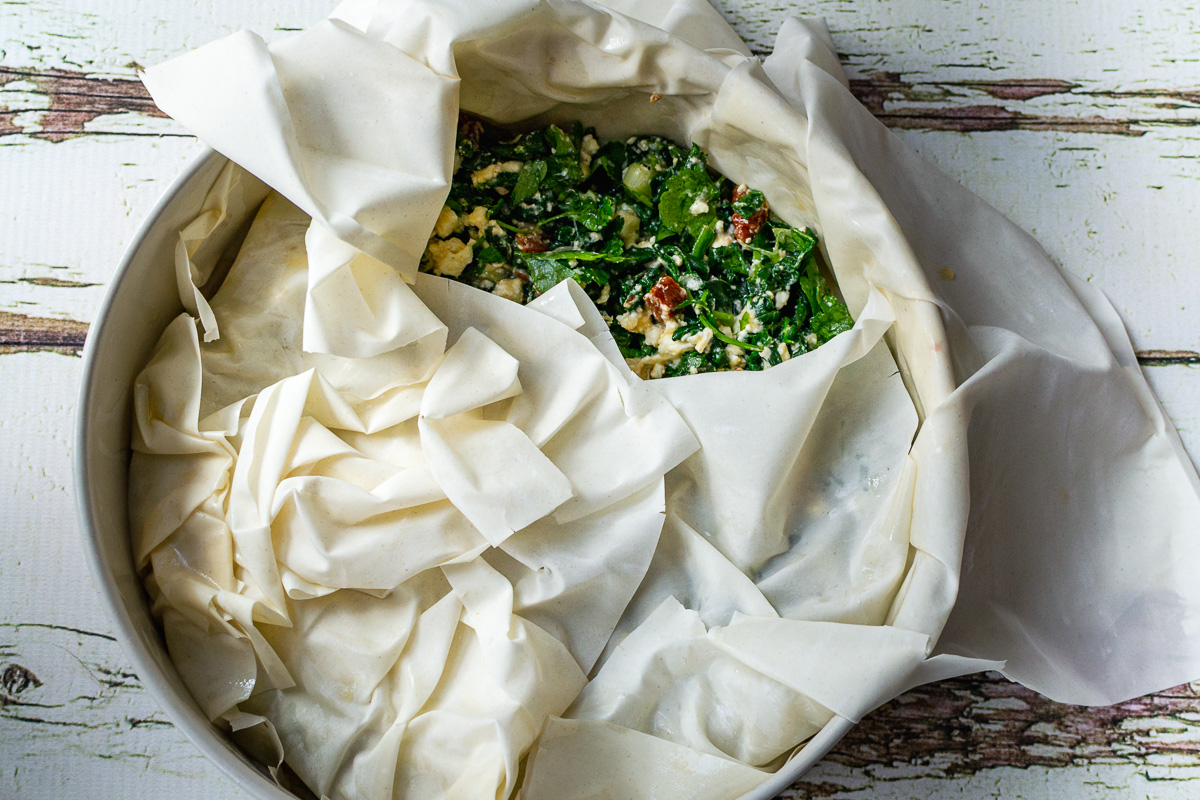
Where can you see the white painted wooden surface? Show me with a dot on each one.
(1081, 121)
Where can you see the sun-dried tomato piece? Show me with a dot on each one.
(663, 297)
(532, 242)
(745, 229)
(469, 128)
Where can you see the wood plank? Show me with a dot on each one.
(994, 722)
(65, 685)
(67, 212)
(20, 333)
(1107, 204)
(74, 721)
(1097, 209)
(1114, 210)
(1090, 781)
(115, 37)
(68, 697)
(1095, 43)
(58, 104)
(929, 73)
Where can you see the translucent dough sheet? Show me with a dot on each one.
(420, 541)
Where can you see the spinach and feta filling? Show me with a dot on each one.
(692, 273)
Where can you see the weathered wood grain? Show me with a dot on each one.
(71, 101)
(66, 696)
(59, 104)
(58, 681)
(1124, 44)
(1092, 42)
(958, 91)
(1095, 207)
(948, 106)
(984, 721)
(19, 333)
(1167, 358)
(960, 729)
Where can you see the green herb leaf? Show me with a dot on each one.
(590, 210)
(529, 179)
(749, 204)
(690, 363)
(829, 315)
(545, 273)
(579, 255)
(687, 201)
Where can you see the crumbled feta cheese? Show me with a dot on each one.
(510, 289)
(702, 341)
(661, 337)
(692, 282)
(447, 223)
(478, 219)
(669, 347)
(811, 340)
(747, 322)
(490, 173)
(783, 351)
(449, 257)
(723, 238)
(587, 148)
(736, 356)
(781, 299)
(698, 207)
(678, 259)
(636, 321)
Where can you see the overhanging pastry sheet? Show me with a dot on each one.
(393, 525)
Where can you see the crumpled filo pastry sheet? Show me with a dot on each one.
(423, 542)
